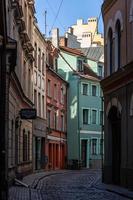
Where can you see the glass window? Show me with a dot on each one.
(43, 63)
(55, 120)
(48, 118)
(25, 146)
(94, 90)
(85, 116)
(80, 65)
(62, 95)
(49, 89)
(94, 146)
(39, 81)
(62, 123)
(85, 89)
(94, 116)
(35, 98)
(100, 71)
(43, 84)
(55, 91)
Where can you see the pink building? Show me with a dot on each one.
(56, 142)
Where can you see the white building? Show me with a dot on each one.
(87, 33)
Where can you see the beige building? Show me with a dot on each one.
(39, 94)
(118, 92)
(87, 33)
(20, 17)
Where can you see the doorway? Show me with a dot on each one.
(115, 123)
(84, 153)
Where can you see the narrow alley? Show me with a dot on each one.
(65, 185)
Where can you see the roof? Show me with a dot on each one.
(76, 52)
(93, 53)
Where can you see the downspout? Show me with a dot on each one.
(78, 84)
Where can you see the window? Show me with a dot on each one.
(100, 71)
(39, 104)
(25, 146)
(43, 106)
(35, 98)
(28, 145)
(35, 55)
(85, 89)
(94, 146)
(35, 77)
(85, 116)
(49, 89)
(118, 44)
(62, 122)
(62, 95)
(94, 90)
(39, 59)
(24, 75)
(29, 83)
(48, 118)
(39, 81)
(43, 63)
(43, 84)
(12, 139)
(56, 65)
(110, 50)
(55, 91)
(80, 65)
(55, 120)
(94, 116)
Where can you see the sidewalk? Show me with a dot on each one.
(115, 189)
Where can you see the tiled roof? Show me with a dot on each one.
(72, 51)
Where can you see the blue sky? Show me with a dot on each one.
(70, 11)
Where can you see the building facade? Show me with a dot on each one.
(87, 33)
(83, 108)
(39, 96)
(118, 92)
(20, 17)
(56, 143)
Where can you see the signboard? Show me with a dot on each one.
(28, 113)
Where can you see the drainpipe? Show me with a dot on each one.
(102, 137)
(78, 84)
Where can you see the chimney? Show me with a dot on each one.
(55, 37)
(70, 30)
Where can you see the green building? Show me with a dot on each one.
(84, 123)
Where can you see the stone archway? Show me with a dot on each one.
(114, 118)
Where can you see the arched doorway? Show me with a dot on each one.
(115, 128)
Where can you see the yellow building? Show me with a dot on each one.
(87, 33)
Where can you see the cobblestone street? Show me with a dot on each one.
(66, 185)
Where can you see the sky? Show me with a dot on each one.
(70, 11)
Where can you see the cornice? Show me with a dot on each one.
(107, 4)
(118, 79)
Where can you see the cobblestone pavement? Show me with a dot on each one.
(71, 185)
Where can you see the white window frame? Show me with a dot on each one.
(96, 115)
(97, 89)
(96, 145)
(82, 89)
(89, 121)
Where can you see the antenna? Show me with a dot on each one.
(45, 23)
